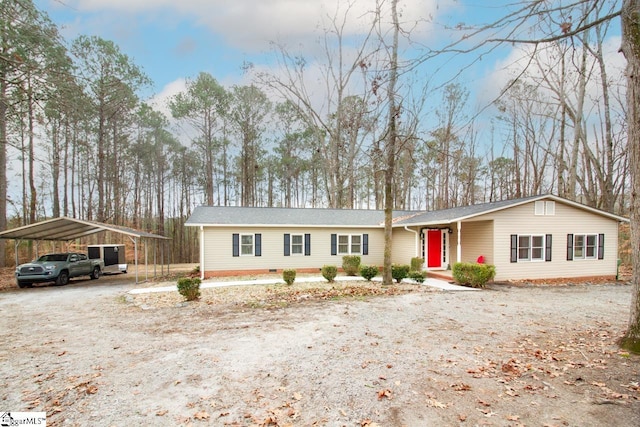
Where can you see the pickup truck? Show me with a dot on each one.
(58, 268)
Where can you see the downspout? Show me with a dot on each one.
(417, 241)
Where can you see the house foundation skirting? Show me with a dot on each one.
(225, 273)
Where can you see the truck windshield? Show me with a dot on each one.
(53, 257)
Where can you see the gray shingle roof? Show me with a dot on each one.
(314, 217)
(311, 217)
(446, 216)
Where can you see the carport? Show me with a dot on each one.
(67, 229)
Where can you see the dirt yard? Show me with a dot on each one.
(319, 355)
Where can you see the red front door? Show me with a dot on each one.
(434, 248)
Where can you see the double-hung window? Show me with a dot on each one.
(531, 247)
(585, 246)
(349, 244)
(247, 244)
(297, 244)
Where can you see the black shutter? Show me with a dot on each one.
(569, 247)
(547, 248)
(514, 248)
(307, 244)
(600, 246)
(258, 243)
(334, 244)
(236, 244)
(287, 244)
(365, 244)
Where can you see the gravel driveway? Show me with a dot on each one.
(505, 356)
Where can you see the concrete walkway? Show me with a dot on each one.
(211, 283)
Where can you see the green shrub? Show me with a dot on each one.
(329, 272)
(369, 271)
(400, 271)
(351, 264)
(418, 276)
(473, 274)
(189, 288)
(289, 276)
(417, 263)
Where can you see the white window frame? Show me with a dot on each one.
(349, 244)
(550, 208)
(244, 245)
(530, 248)
(584, 246)
(300, 245)
(545, 208)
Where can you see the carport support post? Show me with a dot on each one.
(146, 264)
(15, 250)
(135, 254)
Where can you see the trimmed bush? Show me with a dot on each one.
(189, 288)
(400, 271)
(418, 276)
(472, 274)
(351, 264)
(289, 276)
(329, 272)
(417, 263)
(368, 272)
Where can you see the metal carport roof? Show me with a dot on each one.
(66, 229)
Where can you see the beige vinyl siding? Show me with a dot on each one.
(218, 247)
(476, 239)
(567, 220)
(404, 246)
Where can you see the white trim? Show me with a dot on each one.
(301, 244)
(584, 256)
(531, 247)
(202, 266)
(253, 244)
(349, 244)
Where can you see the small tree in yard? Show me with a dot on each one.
(289, 276)
(189, 288)
(474, 275)
(351, 264)
(329, 272)
(368, 272)
(400, 271)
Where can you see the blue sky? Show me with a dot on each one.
(175, 40)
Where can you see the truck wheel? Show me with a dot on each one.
(95, 273)
(63, 279)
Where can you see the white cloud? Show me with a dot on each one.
(160, 101)
(252, 24)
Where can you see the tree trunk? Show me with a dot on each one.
(390, 147)
(631, 49)
(3, 162)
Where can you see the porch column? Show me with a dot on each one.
(459, 246)
(202, 266)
